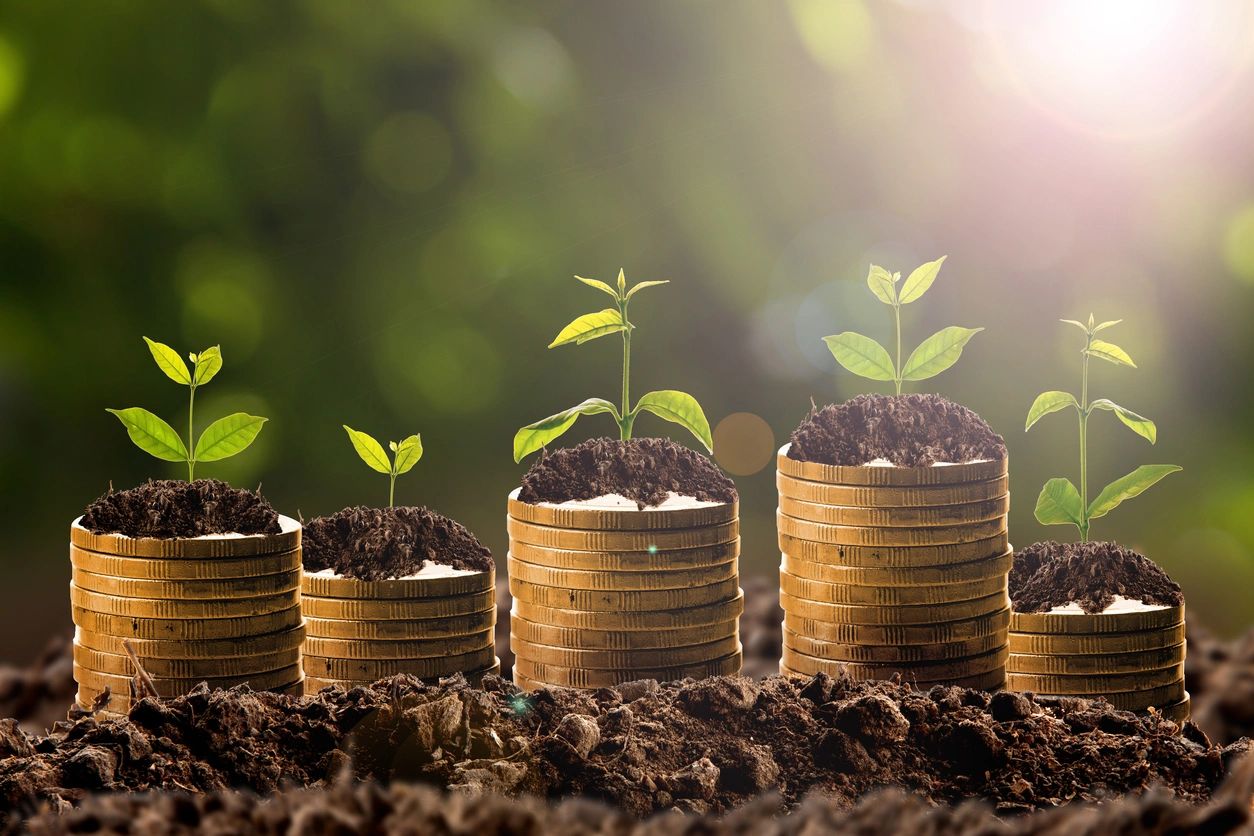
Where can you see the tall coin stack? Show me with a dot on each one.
(361, 631)
(609, 595)
(222, 610)
(891, 570)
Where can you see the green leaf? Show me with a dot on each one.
(1110, 323)
(1060, 503)
(937, 353)
(208, 364)
(882, 284)
(622, 283)
(590, 326)
(408, 452)
(227, 436)
(535, 436)
(169, 361)
(371, 451)
(1111, 353)
(1139, 424)
(599, 285)
(861, 355)
(1077, 324)
(1126, 487)
(920, 280)
(1048, 402)
(151, 434)
(643, 285)
(680, 408)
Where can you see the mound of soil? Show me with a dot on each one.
(374, 544)
(38, 695)
(907, 430)
(643, 469)
(1047, 575)
(1220, 678)
(169, 508)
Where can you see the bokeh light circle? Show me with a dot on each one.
(743, 443)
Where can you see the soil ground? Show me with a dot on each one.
(382, 543)
(1047, 575)
(169, 508)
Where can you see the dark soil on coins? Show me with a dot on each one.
(373, 544)
(1047, 575)
(169, 508)
(907, 430)
(643, 469)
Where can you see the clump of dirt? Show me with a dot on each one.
(37, 695)
(1050, 574)
(907, 430)
(374, 544)
(1220, 678)
(643, 469)
(167, 508)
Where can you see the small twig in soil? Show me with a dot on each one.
(141, 676)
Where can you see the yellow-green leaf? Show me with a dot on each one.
(1048, 402)
(169, 361)
(643, 285)
(622, 282)
(589, 327)
(882, 284)
(408, 452)
(599, 285)
(1060, 503)
(861, 355)
(1110, 323)
(918, 282)
(370, 450)
(1126, 487)
(208, 364)
(151, 434)
(227, 436)
(937, 353)
(1077, 324)
(535, 436)
(680, 408)
(1139, 424)
(1111, 353)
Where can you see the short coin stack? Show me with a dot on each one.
(222, 610)
(606, 595)
(1134, 658)
(428, 627)
(895, 570)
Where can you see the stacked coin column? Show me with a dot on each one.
(221, 610)
(894, 570)
(606, 596)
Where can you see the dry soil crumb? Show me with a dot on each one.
(381, 543)
(169, 508)
(1047, 575)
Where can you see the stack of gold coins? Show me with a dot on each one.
(606, 595)
(428, 627)
(895, 570)
(1134, 657)
(221, 610)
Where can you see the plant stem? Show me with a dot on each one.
(191, 456)
(1084, 443)
(625, 421)
(392, 491)
(897, 317)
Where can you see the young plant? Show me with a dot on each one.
(405, 455)
(867, 358)
(1060, 501)
(674, 406)
(220, 440)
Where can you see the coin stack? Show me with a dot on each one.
(609, 595)
(895, 570)
(221, 610)
(1135, 659)
(362, 631)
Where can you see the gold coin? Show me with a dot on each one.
(427, 628)
(904, 615)
(931, 516)
(1066, 644)
(595, 600)
(357, 609)
(620, 541)
(314, 684)
(625, 561)
(892, 557)
(1103, 663)
(976, 570)
(217, 590)
(96, 681)
(324, 586)
(187, 569)
(121, 665)
(580, 639)
(290, 639)
(873, 653)
(669, 657)
(159, 608)
(592, 518)
(1123, 622)
(610, 580)
(1178, 711)
(177, 548)
(1094, 684)
(325, 667)
(873, 476)
(120, 702)
(921, 671)
(884, 596)
(397, 648)
(1126, 700)
(824, 493)
(630, 620)
(186, 629)
(896, 634)
(849, 535)
(583, 678)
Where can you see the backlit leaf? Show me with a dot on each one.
(1110, 323)
(680, 408)
(1048, 402)
(643, 285)
(937, 353)
(590, 326)
(535, 436)
(151, 434)
(371, 451)
(1139, 424)
(918, 282)
(861, 355)
(408, 452)
(1126, 487)
(227, 436)
(1111, 353)
(208, 364)
(169, 361)
(622, 282)
(882, 284)
(599, 285)
(1060, 503)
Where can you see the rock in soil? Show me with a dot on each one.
(1047, 575)
(373, 544)
(169, 508)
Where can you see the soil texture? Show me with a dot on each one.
(168, 508)
(907, 430)
(1050, 574)
(643, 469)
(373, 544)
(1220, 678)
(38, 695)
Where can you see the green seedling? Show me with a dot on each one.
(405, 454)
(220, 440)
(678, 407)
(867, 358)
(1060, 501)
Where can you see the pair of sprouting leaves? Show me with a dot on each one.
(867, 358)
(405, 454)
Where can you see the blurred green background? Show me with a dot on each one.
(376, 210)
